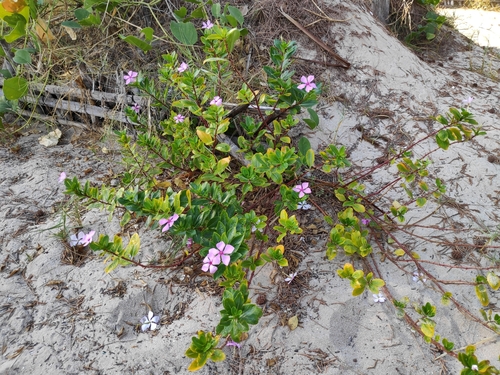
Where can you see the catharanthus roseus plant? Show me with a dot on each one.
(220, 176)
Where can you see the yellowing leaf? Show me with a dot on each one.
(396, 205)
(204, 137)
(162, 184)
(482, 294)
(399, 252)
(43, 31)
(493, 280)
(428, 328)
(414, 255)
(293, 322)
(280, 248)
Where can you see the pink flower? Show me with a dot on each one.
(168, 222)
(307, 83)
(179, 118)
(211, 261)
(207, 25)
(183, 67)
(365, 221)
(130, 77)
(233, 343)
(136, 108)
(216, 101)
(290, 277)
(189, 242)
(302, 189)
(224, 251)
(62, 177)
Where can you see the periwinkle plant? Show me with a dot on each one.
(197, 179)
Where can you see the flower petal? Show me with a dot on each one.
(220, 246)
(150, 315)
(228, 249)
(213, 269)
(310, 79)
(163, 221)
(225, 259)
(212, 253)
(205, 267)
(153, 326)
(145, 327)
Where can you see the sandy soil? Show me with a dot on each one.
(61, 319)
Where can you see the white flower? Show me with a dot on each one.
(149, 321)
(379, 298)
(290, 277)
(82, 238)
(303, 206)
(254, 228)
(474, 367)
(419, 277)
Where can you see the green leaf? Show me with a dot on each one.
(15, 88)
(231, 38)
(18, 31)
(448, 345)
(148, 33)
(223, 147)
(216, 10)
(144, 46)
(304, 145)
(375, 284)
(22, 57)
(314, 119)
(125, 219)
(236, 13)
(310, 158)
(421, 202)
(184, 32)
(218, 355)
(71, 24)
(358, 207)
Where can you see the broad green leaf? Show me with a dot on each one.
(218, 355)
(358, 207)
(18, 31)
(236, 13)
(375, 284)
(144, 46)
(421, 202)
(304, 145)
(71, 24)
(22, 57)
(310, 158)
(314, 119)
(184, 32)
(231, 38)
(15, 88)
(148, 33)
(216, 10)
(223, 147)
(125, 219)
